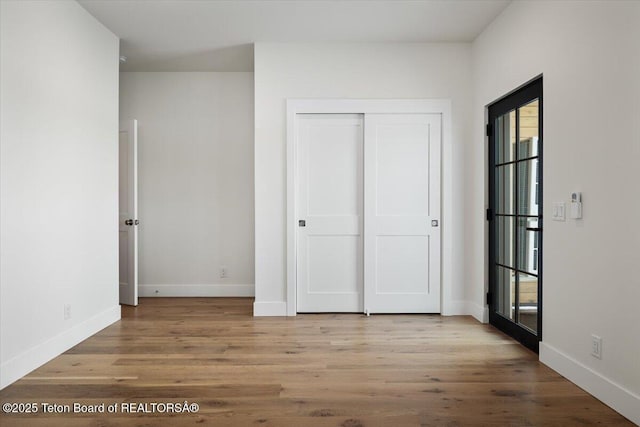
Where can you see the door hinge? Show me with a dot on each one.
(489, 130)
(489, 298)
(489, 214)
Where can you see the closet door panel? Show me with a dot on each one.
(402, 213)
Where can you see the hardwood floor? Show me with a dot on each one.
(312, 370)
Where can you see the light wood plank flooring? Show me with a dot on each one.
(312, 370)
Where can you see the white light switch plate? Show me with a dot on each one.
(558, 213)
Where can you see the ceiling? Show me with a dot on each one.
(218, 35)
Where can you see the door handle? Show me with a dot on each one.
(434, 222)
(302, 223)
(128, 222)
(534, 228)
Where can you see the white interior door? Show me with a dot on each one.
(330, 202)
(402, 205)
(128, 218)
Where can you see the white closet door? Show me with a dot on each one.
(330, 175)
(402, 198)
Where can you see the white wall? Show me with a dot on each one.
(346, 71)
(195, 180)
(58, 181)
(589, 53)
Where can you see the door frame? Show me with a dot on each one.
(521, 96)
(369, 106)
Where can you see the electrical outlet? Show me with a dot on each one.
(67, 311)
(223, 272)
(596, 346)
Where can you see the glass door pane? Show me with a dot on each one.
(505, 137)
(504, 249)
(506, 279)
(528, 129)
(528, 186)
(505, 188)
(528, 301)
(527, 253)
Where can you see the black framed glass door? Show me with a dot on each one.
(515, 214)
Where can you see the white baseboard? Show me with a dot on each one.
(466, 308)
(612, 394)
(479, 312)
(19, 366)
(189, 290)
(454, 308)
(269, 308)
